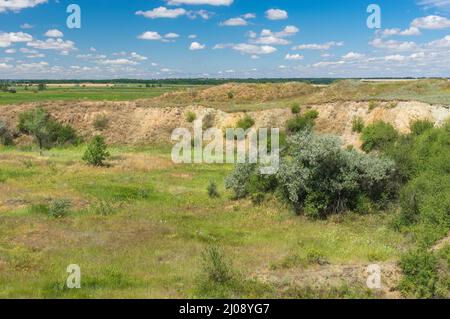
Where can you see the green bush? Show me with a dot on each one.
(419, 127)
(301, 123)
(318, 177)
(191, 116)
(59, 208)
(5, 136)
(378, 136)
(96, 152)
(419, 274)
(357, 124)
(101, 122)
(212, 190)
(373, 105)
(295, 108)
(47, 131)
(246, 122)
(216, 267)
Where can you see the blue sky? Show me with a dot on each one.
(223, 38)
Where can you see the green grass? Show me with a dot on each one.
(151, 244)
(115, 93)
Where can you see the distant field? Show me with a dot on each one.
(91, 93)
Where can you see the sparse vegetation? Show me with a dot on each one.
(212, 190)
(96, 152)
(301, 123)
(378, 136)
(101, 122)
(190, 116)
(246, 122)
(357, 124)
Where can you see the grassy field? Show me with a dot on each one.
(114, 93)
(138, 229)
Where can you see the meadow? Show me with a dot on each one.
(88, 93)
(138, 228)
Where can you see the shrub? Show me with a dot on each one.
(42, 86)
(318, 177)
(419, 127)
(295, 108)
(378, 136)
(45, 130)
(59, 208)
(5, 136)
(212, 190)
(419, 274)
(230, 95)
(246, 122)
(96, 152)
(217, 268)
(357, 124)
(301, 123)
(373, 105)
(101, 122)
(208, 120)
(191, 116)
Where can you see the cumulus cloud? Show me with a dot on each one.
(274, 38)
(245, 48)
(200, 2)
(431, 22)
(116, 62)
(155, 36)
(17, 5)
(407, 32)
(162, 12)
(233, 22)
(276, 14)
(393, 45)
(196, 46)
(53, 44)
(317, 46)
(54, 33)
(442, 4)
(293, 57)
(7, 39)
(353, 56)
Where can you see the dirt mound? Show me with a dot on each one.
(333, 276)
(243, 92)
(135, 123)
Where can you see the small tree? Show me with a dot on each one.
(35, 122)
(96, 152)
(42, 86)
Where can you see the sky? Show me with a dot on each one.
(148, 39)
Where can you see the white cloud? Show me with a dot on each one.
(353, 56)
(245, 48)
(407, 32)
(150, 35)
(17, 5)
(200, 2)
(431, 22)
(162, 12)
(54, 33)
(276, 14)
(393, 45)
(293, 57)
(275, 38)
(441, 43)
(192, 36)
(26, 26)
(117, 62)
(249, 16)
(233, 22)
(6, 39)
(315, 46)
(171, 35)
(196, 46)
(396, 58)
(52, 44)
(10, 51)
(137, 57)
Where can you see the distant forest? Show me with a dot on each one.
(199, 81)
